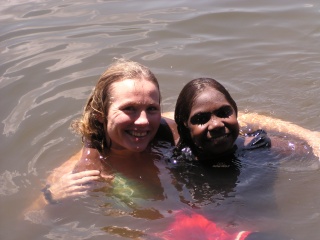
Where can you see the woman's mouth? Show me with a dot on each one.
(137, 133)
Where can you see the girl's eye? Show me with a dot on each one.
(224, 112)
(200, 118)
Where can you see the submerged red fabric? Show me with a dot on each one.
(196, 227)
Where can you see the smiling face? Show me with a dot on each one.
(134, 114)
(213, 123)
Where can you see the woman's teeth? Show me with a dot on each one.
(137, 134)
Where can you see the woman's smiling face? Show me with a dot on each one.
(213, 123)
(134, 114)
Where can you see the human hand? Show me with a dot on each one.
(72, 185)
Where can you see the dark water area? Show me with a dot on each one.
(267, 54)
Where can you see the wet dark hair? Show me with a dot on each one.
(184, 105)
(97, 107)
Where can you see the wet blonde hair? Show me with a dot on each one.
(99, 101)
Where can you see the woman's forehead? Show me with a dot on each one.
(134, 91)
(133, 85)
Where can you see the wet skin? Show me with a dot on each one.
(134, 118)
(213, 123)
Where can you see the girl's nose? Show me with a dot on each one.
(214, 123)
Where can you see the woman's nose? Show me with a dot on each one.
(142, 118)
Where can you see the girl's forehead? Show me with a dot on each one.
(209, 96)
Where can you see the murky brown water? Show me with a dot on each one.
(267, 53)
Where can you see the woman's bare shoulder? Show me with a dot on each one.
(90, 159)
(65, 167)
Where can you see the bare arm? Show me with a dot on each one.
(278, 125)
(273, 124)
(63, 183)
(169, 118)
(169, 115)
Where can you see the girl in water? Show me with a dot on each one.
(207, 121)
(212, 147)
(210, 154)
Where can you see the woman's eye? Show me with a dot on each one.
(129, 109)
(153, 109)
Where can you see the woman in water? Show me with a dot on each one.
(120, 126)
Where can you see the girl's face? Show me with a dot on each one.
(213, 123)
(134, 114)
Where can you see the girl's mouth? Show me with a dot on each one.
(219, 138)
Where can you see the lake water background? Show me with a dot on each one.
(267, 54)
